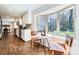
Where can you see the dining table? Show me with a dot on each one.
(49, 40)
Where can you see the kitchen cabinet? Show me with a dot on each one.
(27, 18)
(26, 34)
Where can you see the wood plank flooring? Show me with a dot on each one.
(11, 45)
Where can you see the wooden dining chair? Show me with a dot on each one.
(68, 42)
(61, 49)
(34, 40)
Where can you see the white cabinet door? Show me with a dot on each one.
(26, 35)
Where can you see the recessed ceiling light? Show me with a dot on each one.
(7, 16)
(10, 10)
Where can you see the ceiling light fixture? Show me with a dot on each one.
(7, 16)
(10, 10)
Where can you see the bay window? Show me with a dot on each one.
(52, 24)
(66, 22)
(59, 23)
(41, 23)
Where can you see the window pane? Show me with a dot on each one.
(66, 21)
(52, 25)
(41, 23)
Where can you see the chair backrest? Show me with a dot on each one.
(33, 33)
(69, 40)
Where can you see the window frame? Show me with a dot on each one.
(58, 18)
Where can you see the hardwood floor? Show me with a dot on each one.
(11, 45)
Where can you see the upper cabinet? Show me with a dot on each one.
(27, 17)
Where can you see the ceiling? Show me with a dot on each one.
(16, 9)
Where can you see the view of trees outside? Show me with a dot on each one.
(41, 23)
(52, 24)
(66, 21)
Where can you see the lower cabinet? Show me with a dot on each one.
(26, 34)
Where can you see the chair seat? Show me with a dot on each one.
(60, 48)
(57, 47)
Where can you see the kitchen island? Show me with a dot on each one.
(24, 34)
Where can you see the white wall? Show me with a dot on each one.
(75, 47)
(52, 9)
(77, 22)
(44, 7)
